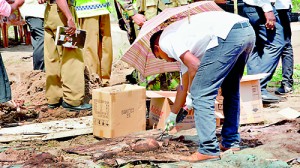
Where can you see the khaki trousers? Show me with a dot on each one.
(98, 49)
(64, 66)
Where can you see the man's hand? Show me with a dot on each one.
(170, 122)
(139, 19)
(16, 4)
(189, 101)
(71, 27)
(270, 20)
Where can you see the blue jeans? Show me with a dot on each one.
(287, 55)
(36, 26)
(5, 92)
(221, 66)
(269, 45)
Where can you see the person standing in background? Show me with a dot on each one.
(5, 90)
(33, 13)
(136, 13)
(269, 42)
(64, 66)
(98, 52)
(283, 8)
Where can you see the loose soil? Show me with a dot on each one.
(266, 144)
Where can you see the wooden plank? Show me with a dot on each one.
(48, 130)
(289, 113)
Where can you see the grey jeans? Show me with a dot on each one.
(5, 92)
(221, 66)
(36, 26)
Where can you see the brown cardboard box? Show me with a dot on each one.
(160, 107)
(251, 105)
(251, 102)
(119, 110)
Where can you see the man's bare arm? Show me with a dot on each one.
(193, 63)
(181, 94)
(64, 7)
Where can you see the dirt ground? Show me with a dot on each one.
(268, 144)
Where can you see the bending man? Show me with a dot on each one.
(213, 50)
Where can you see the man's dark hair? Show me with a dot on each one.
(153, 39)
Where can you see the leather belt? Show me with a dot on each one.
(241, 25)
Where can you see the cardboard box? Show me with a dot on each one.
(251, 101)
(119, 110)
(160, 106)
(251, 105)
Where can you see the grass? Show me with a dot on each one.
(277, 78)
(296, 5)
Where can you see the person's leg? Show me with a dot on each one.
(52, 54)
(90, 51)
(287, 54)
(231, 102)
(5, 91)
(269, 46)
(36, 26)
(105, 47)
(215, 65)
(72, 78)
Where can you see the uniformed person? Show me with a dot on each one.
(138, 12)
(98, 52)
(64, 66)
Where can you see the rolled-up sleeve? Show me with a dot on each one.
(5, 8)
(264, 4)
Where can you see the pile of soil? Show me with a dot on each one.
(29, 87)
(31, 159)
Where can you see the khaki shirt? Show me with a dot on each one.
(150, 8)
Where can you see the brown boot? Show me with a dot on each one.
(234, 149)
(198, 157)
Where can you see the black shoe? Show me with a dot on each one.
(284, 90)
(53, 106)
(76, 108)
(268, 98)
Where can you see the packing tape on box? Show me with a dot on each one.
(101, 133)
(129, 93)
(113, 97)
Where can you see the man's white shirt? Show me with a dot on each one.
(283, 4)
(264, 4)
(197, 36)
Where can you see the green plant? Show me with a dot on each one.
(296, 5)
(277, 78)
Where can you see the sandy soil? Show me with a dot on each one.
(263, 144)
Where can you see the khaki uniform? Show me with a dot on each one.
(64, 66)
(151, 8)
(98, 52)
